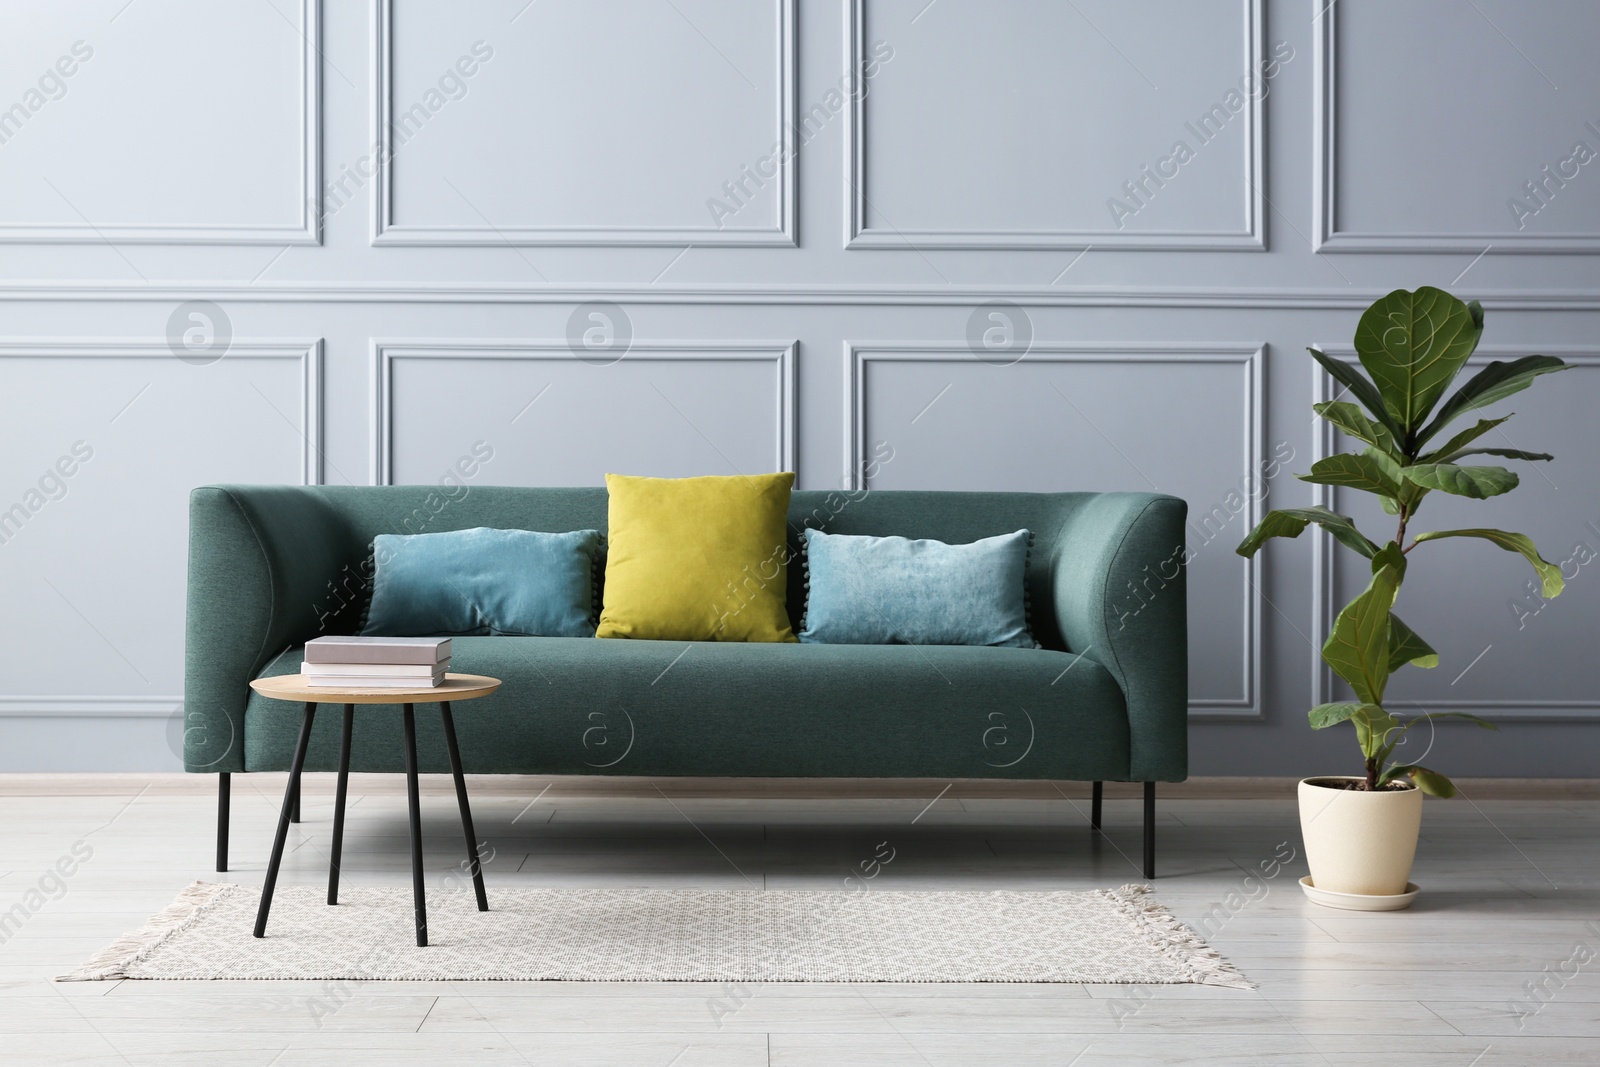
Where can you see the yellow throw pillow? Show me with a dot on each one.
(697, 559)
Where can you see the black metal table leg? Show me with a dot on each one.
(418, 893)
(224, 793)
(294, 806)
(289, 793)
(338, 804)
(1095, 805)
(466, 809)
(1149, 829)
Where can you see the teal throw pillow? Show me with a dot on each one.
(484, 582)
(891, 590)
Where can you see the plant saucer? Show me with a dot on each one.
(1359, 901)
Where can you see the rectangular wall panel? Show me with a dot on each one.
(663, 409)
(1091, 418)
(941, 154)
(552, 129)
(1495, 150)
(179, 121)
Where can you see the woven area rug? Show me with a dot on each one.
(670, 935)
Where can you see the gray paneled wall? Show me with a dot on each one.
(1007, 244)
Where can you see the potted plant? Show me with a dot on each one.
(1361, 831)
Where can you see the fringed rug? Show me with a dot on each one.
(670, 935)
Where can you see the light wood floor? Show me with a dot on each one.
(1511, 896)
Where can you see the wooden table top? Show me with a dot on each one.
(454, 687)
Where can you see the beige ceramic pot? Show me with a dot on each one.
(1359, 842)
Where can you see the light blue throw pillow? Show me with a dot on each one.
(891, 590)
(484, 582)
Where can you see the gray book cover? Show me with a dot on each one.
(429, 650)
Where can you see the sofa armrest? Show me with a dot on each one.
(262, 560)
(1118, 584)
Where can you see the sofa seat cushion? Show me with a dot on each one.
(583, 706)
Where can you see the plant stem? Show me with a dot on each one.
(1372, 774)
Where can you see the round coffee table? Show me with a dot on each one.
(454, 687)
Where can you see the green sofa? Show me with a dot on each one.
(1104, 699)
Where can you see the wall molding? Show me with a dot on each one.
(857, 235)
(307, 231)
(1325, 600)
(1251, 358)
(335, 292)
(307, 351)
(89, 707)
(384, 231)
(1325, 234)
(385, 352)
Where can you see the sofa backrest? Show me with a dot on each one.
(363, 512)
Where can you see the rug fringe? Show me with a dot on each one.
(115, 959)
(1204, 963)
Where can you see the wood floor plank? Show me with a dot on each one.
(1517, 1015)
(261, 1012)
(868, 1014)
(593, 1048)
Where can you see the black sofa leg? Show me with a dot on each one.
(224, 790)
(1150, 830)
(1095, 805)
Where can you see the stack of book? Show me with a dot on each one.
(376, 662)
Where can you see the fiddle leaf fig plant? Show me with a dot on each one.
(1411, 346)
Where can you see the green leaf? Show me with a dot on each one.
(1325, 715)
(1413, 345)
(1363, 471)
(1358, 648)
(1353, 422)
(1406, 647)
(1346, 375)
(1549, 573)
(1390, 555)
(1479, 483)
(1495, 382)
(1506, 453)
(1410, 493)
(1385, 462)
(1372, 732)
(1462, 440)
(1291, 522)
(1430, 782)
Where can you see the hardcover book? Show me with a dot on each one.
(367, 681)
(411, 650)
(373, 670)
